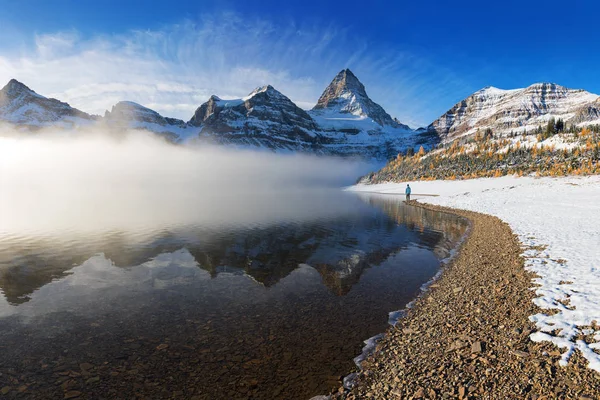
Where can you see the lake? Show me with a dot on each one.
(267, 297)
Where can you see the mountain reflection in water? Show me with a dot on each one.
(271, 307)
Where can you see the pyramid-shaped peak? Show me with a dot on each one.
(15, 87)
(347, 95)
(347, 74)
(21, 105)
(345, 85)
(346, 78)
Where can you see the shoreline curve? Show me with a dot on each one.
(467, 336)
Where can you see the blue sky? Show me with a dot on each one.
(416, 58)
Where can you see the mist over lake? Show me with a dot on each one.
(236, 273)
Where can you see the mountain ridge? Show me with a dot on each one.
(265, 118)
(516, 110)
(344, 121)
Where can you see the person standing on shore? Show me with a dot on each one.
(407, 191)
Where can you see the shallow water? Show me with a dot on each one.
(272, 305)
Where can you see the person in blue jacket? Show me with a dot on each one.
(407, 191)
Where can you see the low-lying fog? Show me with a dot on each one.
(94, 181)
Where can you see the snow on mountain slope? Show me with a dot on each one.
(517, 110)
(346, 95)
(351, 123)
(20, 105)
(130, 115)
(265, 118)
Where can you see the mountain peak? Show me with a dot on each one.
(545, 84)
(21, 105)
(347, 95)
(344, 85)
(128, 114)
(490, 91)
(516, 110)
(263, 89)
(13, 83)
(128, 104)
(132, 110)
(14, 87)
(347, 75)
(548, 86)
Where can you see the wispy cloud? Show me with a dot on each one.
(174, 69)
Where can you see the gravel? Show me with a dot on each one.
(468, 336)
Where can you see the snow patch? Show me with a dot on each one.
(557, 221)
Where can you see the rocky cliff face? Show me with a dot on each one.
(516, 110)
(588, 114)
(207, 109)
(22, 106)
(264, 118)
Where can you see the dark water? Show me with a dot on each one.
(274, 303)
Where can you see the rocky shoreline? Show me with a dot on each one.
(468, 336)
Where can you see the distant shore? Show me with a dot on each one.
(468, 336)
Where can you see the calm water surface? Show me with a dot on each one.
(273, 302)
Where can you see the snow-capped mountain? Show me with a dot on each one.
(517, 110)
(344, 122)
(21, 106)
(352, 123)
(130, 115)
(264, 118)
(346, 99)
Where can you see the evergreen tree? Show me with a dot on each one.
(488, 134)
(551, 128)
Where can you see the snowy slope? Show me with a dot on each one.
(561, 215)
(517, 110)
(22, 106)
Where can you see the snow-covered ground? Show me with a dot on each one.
(558, 223)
